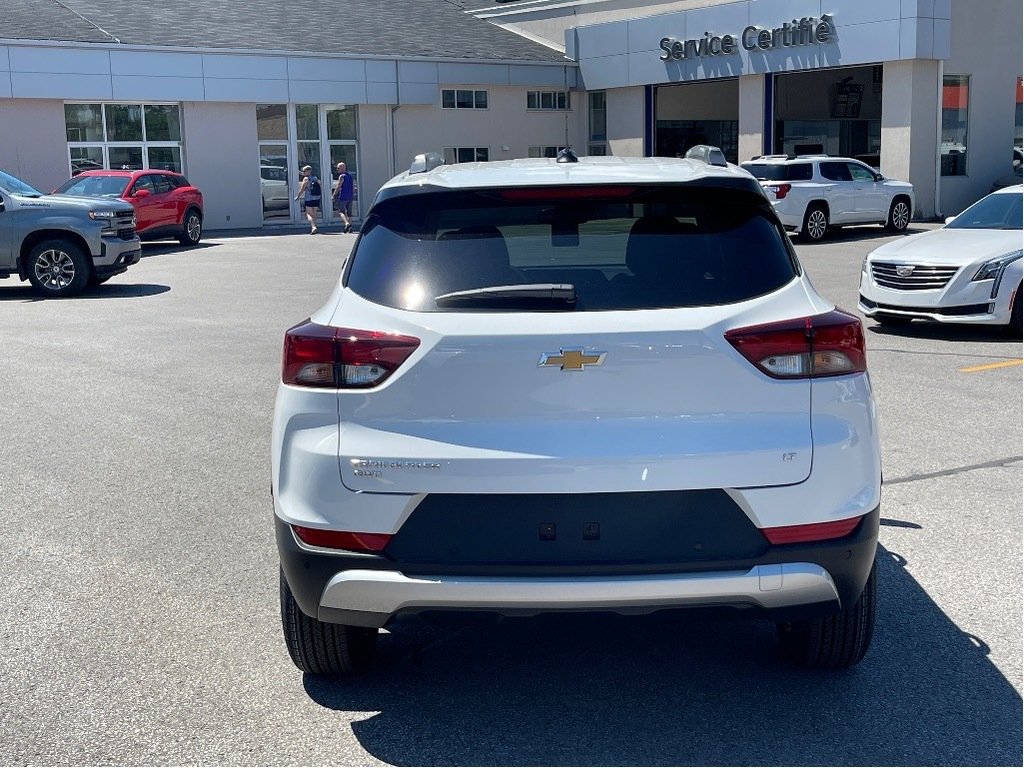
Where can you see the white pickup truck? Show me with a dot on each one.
(811, 193)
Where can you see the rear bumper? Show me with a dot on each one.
(785, 582)
(371, 598)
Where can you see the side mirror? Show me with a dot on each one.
(879, 177)
(949, 219)
(141, 193)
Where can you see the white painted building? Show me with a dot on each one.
(245, 94)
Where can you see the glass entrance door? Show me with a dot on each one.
(290, 138)
(275, 186)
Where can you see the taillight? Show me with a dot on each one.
(831, 344)
(341, 358)
(780, 190)
(793, 534)
(354, 542)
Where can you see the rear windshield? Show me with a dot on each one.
(586, 249)
(777, 172)
(94, 186)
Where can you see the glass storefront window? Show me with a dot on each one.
(123, 136)
(124, 122)
(165, 158)
(83, 122)
(163, 122)
(271, 122)
(341, 123)
(125, 158)
(598, 115)
(307, 123)
(86, 159)
(955, 96)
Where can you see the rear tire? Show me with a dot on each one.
(815, 223)
(892, 320)
(320, 648)
(899, 215)
(191, 228)
(834, 642)
(58, 268)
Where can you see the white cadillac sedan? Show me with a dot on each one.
(969, 271)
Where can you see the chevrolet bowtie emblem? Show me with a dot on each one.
(572, 359)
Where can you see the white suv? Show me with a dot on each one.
(599, 385)
(811, 193)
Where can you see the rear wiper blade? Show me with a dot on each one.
(519, 294)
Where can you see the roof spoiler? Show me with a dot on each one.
(427, 161)
(707, 154)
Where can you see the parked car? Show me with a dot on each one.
(62, 245)
(811, 193)
(274, 187)
(592, 384)
(1014, 177)
(969, 271)
(166, 205)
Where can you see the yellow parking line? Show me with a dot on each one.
(990, 366)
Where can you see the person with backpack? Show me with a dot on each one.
(310, 192)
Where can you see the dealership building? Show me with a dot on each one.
(239, 96)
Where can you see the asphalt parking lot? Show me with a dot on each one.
(140, 620)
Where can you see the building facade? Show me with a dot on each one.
(242, 98)
(925, 90)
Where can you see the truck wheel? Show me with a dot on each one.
(899, 215)
(58, 268)
(833, 642)
(191, 228)
(320, 648)
(815, 223)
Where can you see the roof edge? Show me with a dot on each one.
(25, 42)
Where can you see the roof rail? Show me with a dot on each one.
(706, 154)
(427, 161)
(814, 156)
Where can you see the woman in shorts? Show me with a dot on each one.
(309, 191)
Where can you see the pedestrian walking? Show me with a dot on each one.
(310, 192)
(343, 195)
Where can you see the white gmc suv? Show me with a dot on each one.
(812, 193)
(575, 385)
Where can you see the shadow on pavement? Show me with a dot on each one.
(162, 248)
(27, 293)
(853, 234)
(674, 689)
(921, 329)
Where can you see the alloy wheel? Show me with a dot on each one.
(900, 215)
(55, 269)
(194, 227)
(817, 224)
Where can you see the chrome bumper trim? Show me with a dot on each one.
(385, 593)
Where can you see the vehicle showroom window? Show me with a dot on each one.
(123, 136)
(454, 155)
(460, 99)
(547, 100)
(549, 151)
(955, 99)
